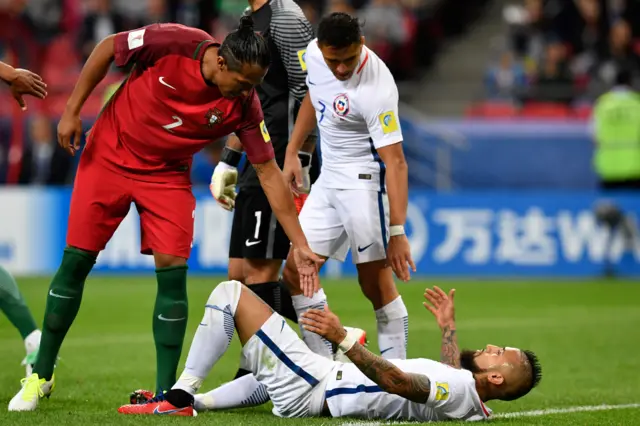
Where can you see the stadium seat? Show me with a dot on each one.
(582, 112)
(492, 110)
(546, 110)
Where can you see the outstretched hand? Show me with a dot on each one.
(308, 264)
(441, 305)
(24, 82)
(324, 323)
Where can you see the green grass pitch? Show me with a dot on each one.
(587, 335)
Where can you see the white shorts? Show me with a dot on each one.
(335, 219)
(294, 376)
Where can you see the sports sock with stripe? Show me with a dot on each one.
(393, 329)
(315, 342)
(213, 337)
(63, 303)
(243, 392)
(169, 323)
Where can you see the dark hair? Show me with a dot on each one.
(245, 46)
(624, 77)
(533, 367)
(339, 30)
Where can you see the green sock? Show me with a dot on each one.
(63, 303)
(169, 323)
(13, 305)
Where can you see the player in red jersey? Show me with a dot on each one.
(185, 90)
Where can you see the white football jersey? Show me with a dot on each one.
(453, 395)
(355, 118)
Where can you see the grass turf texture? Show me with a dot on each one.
(587, 336)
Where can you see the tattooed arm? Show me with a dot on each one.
(414, 387)
(449, 352)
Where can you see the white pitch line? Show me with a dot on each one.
(578, 409)
(533, 413)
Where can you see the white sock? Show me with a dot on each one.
(315, 342)
(245, 391)
(393, 329)
(32, 341)
(213, 336)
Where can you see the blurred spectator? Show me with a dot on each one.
(101, 20)
(43, 161)
(384, 28)
(507, 79)
(157, 11)
(621, 54)
(554, 82)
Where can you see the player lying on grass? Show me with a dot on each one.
(184, 91)
(302, 384)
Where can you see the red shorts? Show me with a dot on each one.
(102, 198)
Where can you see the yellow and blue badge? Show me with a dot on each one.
(442, 391)
(302, 57)
(388, 122)
(265, 132)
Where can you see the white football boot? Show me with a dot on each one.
(33, 388)
(359, 335)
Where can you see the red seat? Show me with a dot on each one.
(582, 112)
(546, 110)
(492, 110)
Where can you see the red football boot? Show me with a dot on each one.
(159, 406)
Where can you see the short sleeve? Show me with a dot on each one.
(148, 44)
(380, 110)
(292, 33)
(454, 395)
(253, 133)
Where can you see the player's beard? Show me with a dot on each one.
(468, 361)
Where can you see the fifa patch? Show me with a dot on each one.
(341, 105)
(388, 122)
(339, 375)
(136, 39)
(442, 391)
(265, 132)
(302, 57)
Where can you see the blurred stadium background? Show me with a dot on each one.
(496, 107)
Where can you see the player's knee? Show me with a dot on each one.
(226, 293)
(163, 260)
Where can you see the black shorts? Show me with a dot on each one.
(256, 234)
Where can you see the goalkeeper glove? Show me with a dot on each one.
(305, 162)
(224, 179)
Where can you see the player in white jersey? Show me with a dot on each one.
(359, 202)
(303, 384)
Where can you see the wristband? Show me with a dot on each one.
(305, 158)
(396, 230)
(348, 342)
(230, 156)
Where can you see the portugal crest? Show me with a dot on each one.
(214, 117)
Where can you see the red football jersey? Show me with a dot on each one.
(165, 111)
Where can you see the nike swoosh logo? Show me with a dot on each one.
(252, 243)
(160, 317)
(157, 411)
(161, 79)
(386, 350)
(203, 324)
(311, 83)
(59, 296)
(361, 249)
